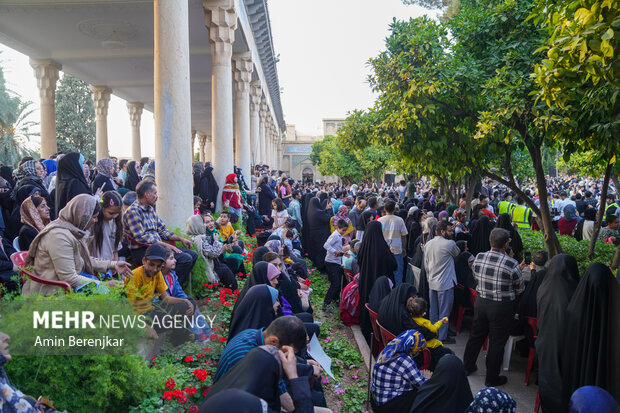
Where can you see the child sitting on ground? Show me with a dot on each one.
(349, 260)
(288, 242)
(197, 203)
(147, 283)
(200, 325)
(418, 307)
(290, 225)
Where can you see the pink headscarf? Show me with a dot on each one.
(272, 271)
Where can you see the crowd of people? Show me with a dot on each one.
(400, 250)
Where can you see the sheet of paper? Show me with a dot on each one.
(318, 354)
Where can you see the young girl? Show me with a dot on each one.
(108, 230)
(279, 214)
(200, 325)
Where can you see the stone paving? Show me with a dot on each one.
(524, 395)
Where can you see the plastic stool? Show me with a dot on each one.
(508, 351)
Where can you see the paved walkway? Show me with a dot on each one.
(524, 395)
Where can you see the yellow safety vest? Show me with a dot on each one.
(505, 207)
(607, 207)
(520, 215)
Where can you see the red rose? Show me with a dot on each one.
(170, 383)
(213, 337)
(188, 359)
(190, 391)
(221, 339)
(209, 286)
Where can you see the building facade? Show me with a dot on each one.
(295, 151)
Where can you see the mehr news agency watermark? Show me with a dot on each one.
(88, 327)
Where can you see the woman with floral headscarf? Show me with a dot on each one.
(28, 180)
(103, 180)
(35, 215)
(343, 213)
(492, 400)
(395, 376)
(60, 251)
(231, 195)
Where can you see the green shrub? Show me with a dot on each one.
(533, 241)
(88, 383)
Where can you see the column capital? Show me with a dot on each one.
(242, 71)
(135, 112)
(255, 95)
(101, 98)
(202, 140)
(46, 73)
(221, 21)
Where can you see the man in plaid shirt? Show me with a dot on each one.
(141, 223)
(500, 282)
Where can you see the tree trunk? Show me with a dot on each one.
(471, 184)
(601, 210)
(551, 239)
(543, 214)
(616, 181)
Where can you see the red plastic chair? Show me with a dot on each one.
(461, 310)
(19, 259)
(533, 323)
(473, 295)
(386, 336)
(377, 343)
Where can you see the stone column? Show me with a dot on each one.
(135, 115)
(221, 20)
(255, 94)
(263, 132)
(202, 140)
(209, 150)
(46, 73)
(243, 75)
(101, 98)
(173, 123)
(193, 143)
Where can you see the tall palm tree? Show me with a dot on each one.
(15, 127)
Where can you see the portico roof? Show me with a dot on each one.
(110, 42)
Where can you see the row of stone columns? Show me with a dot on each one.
(252, 132)
(46, 72)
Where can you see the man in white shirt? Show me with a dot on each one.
(395, 234)
(439, 255)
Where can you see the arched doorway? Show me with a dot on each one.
(307, 175)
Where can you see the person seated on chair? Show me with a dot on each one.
(59, 252)
(144, 226)
(395, 375)
(418, 308)
(35, 215)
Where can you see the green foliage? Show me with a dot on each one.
(533, 241)
(579, 78)
(15, 128)
(332, 158)
(75, 117)
(87, 383)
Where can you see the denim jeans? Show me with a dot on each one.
(398, 274)
(440, 306)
